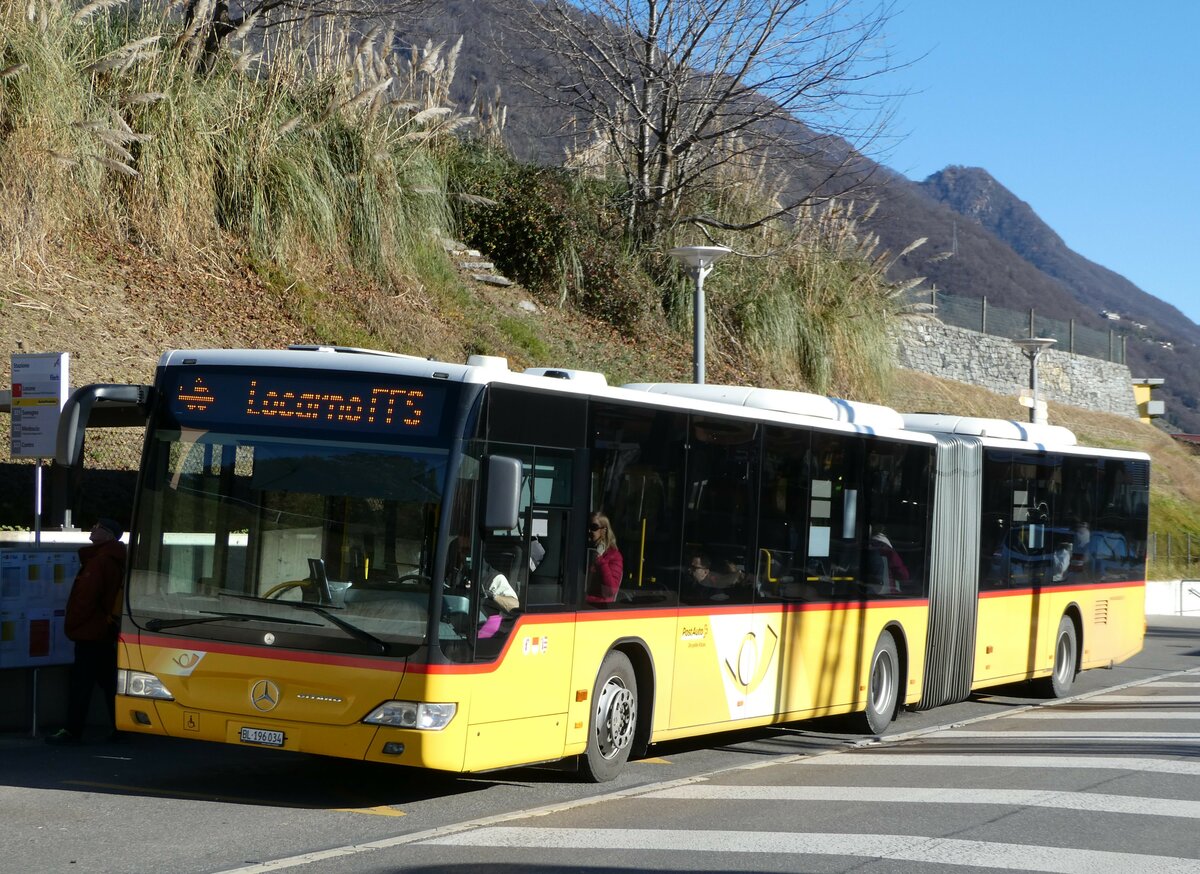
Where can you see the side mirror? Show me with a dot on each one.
(98, 406)
(502, 510)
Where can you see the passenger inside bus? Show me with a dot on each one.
(886, 571)
(727, 582)
(1062, 559)
(699, 567)
(606, 566)
(500, 601)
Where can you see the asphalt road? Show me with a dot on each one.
(992, 783)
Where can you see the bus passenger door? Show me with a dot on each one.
(724, 652)
(524, 646)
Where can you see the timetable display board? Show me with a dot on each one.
(34, 584)
(40, 384)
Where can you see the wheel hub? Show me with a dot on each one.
(615, 720)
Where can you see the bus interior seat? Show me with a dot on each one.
(878, 574)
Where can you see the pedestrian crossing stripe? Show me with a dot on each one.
(1107, 715)
(1176, 737)
(972, 760)
(906, 848)
(1086, 801)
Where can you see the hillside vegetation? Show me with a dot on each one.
(146, 203)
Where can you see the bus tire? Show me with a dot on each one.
(1066, 660)
(614, 719)
(883, 685)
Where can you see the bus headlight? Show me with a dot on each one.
(137, 684)
(412, 714)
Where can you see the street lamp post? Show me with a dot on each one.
(698, 261)
(1033, 347)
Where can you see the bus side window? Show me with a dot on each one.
(549, 536)
(637, 466)
(783, 516)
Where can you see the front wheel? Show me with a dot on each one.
(614, 719)
(1066, 666)
(883, 685)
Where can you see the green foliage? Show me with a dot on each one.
(543, 228)
(610, 284)
(525, 337)
(515, 213)
(811, 309)
(1177, 519)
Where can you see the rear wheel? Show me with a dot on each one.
(883, 685)
(1066, 660)
(614, 719)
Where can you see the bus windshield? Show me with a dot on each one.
(324, 544)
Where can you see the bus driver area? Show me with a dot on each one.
(377, 556)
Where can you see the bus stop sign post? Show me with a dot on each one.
(40, 383)
(698, 261)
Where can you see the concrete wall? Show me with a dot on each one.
(994, 363)
(1173, 598)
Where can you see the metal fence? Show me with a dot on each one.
(1173, 548)
(975, 314)
(104, 488)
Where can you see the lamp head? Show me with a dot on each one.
(699, 257)
(1032, 346)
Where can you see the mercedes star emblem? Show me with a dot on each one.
(264, 695)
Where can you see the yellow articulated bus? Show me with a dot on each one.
(465, 568)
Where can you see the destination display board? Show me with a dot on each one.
(34, 585)
(364, 404)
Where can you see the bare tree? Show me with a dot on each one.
(210, 24)
(685, 93)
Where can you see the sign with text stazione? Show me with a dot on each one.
(40, 383)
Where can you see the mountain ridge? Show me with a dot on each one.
(1162, 341)
(974, 193)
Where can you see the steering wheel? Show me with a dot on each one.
(280, 589)
(407, 580)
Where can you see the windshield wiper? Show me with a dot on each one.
(322, 611)
(352, 630)
(209, 616)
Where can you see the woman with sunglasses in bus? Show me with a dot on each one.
(606, 566)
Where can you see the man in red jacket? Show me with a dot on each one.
(92, 621)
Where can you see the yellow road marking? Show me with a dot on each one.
(656, 760)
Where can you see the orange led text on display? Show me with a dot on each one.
(198, 398)
(384, 406)
(379, 405)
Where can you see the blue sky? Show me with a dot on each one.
(1088, 110)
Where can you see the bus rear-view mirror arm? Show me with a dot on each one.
(100, 405)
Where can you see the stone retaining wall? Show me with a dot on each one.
(994, 363)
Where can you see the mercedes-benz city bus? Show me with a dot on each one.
(466, 568)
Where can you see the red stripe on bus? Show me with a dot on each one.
(1045, 590)
(385, 663)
